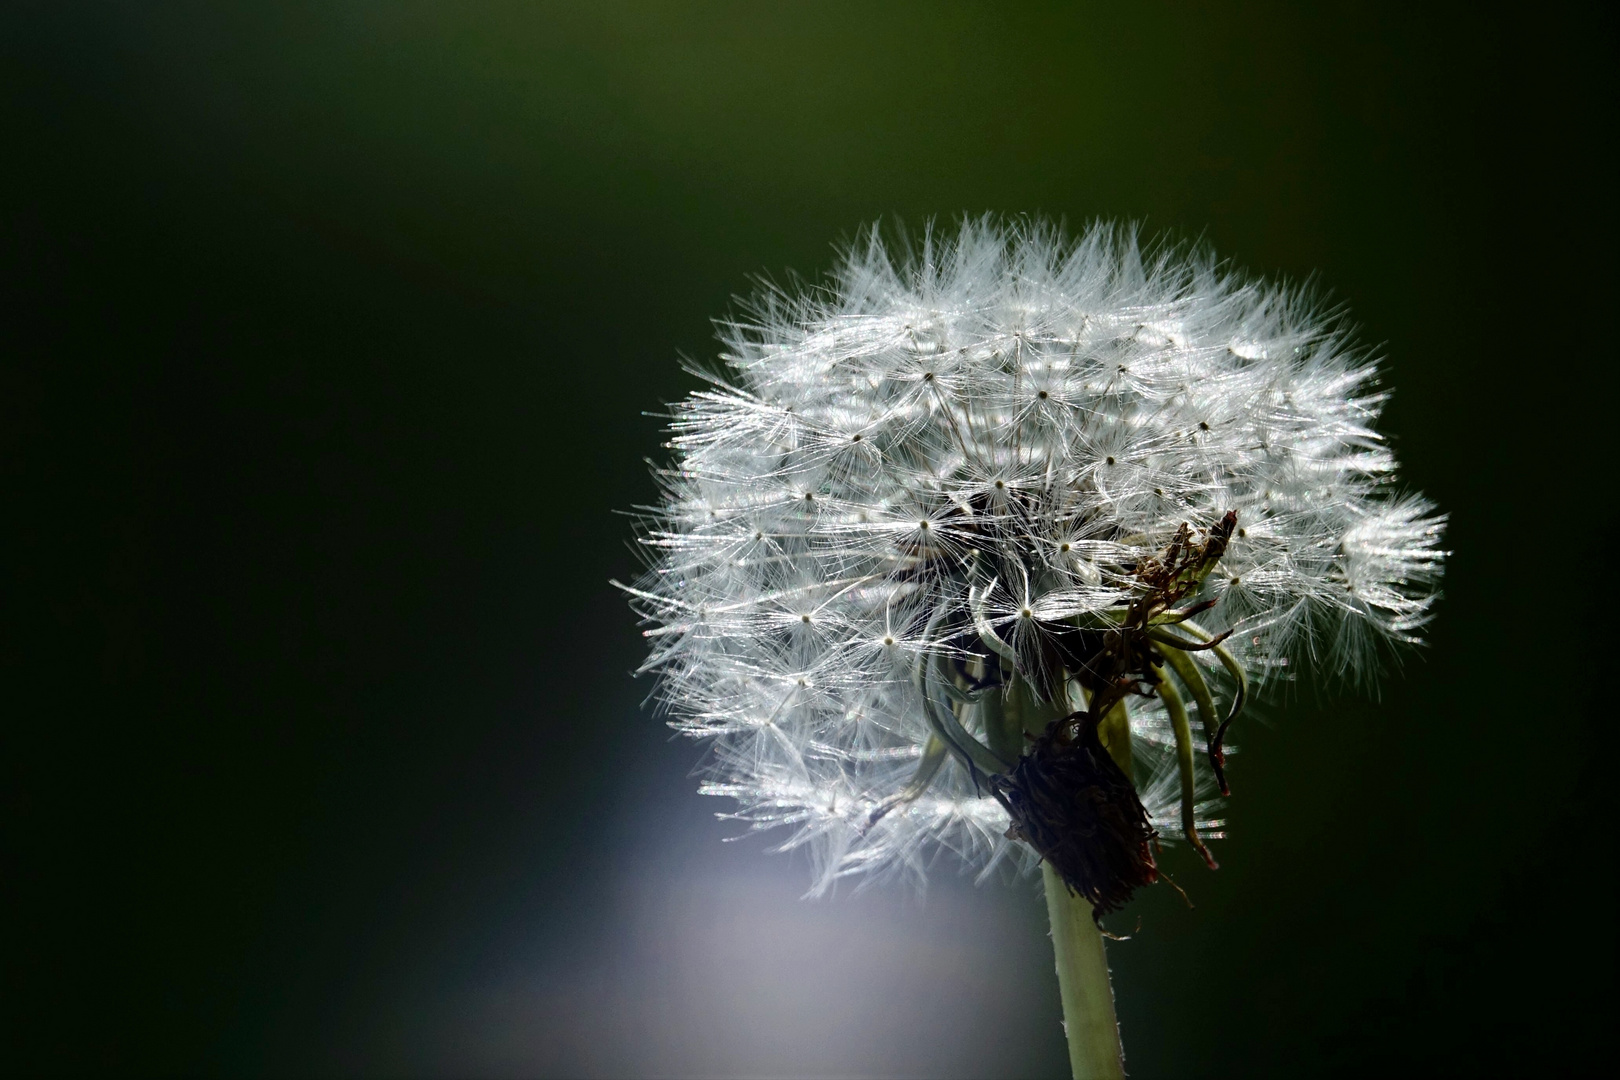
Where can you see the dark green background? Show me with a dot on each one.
(328, 330)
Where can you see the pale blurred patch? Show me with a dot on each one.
(731, 974)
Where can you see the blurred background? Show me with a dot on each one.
(329, 331)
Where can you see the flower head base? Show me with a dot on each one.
(952, 522)
(1071, 802)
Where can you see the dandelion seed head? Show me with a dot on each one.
(1009, 418)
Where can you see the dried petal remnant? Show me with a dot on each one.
(1071, 802)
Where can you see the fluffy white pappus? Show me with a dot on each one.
(1002, 424)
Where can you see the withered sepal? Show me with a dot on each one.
(1077, 808)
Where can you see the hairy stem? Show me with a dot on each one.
(1082, 969)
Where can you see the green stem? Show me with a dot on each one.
(1088, 999)
(1082, 967)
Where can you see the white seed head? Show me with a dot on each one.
(1003, 397)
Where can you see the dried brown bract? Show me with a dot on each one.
(1071, 802)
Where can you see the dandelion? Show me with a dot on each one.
(984, 544)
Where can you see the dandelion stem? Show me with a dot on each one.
(1082, 969)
